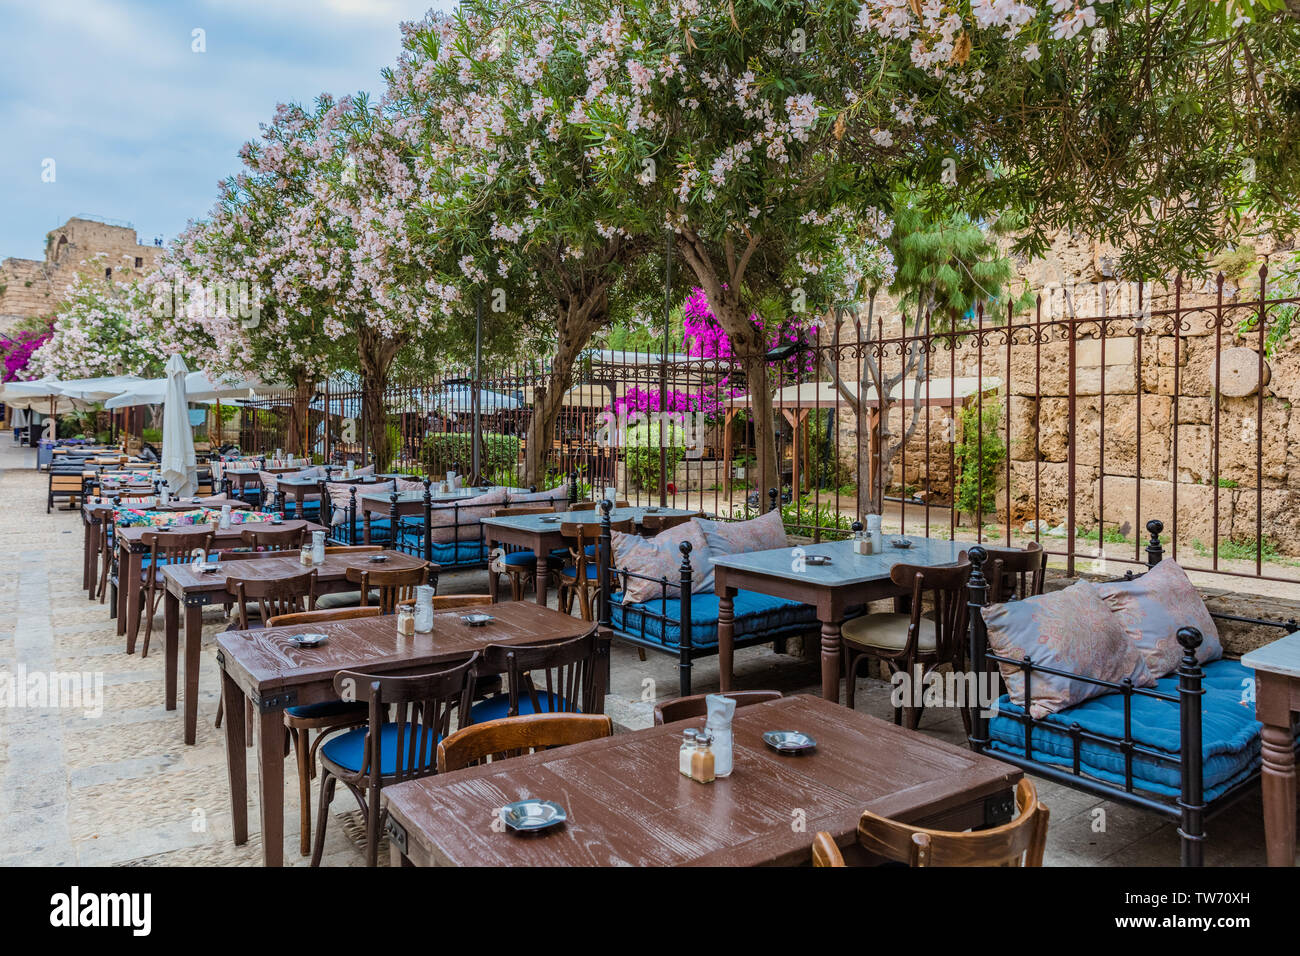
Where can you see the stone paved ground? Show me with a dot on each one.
(122, 788)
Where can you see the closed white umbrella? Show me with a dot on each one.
(178, 463)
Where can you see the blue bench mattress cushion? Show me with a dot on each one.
(448, 555)
(348, 749)
(1229, 733)
(754, 613)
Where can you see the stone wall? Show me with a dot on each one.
(31, 287)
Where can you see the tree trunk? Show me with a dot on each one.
(298, 439)
(580, 316)
(376, 354)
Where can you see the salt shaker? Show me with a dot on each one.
(686, 750)
(861, 541)
(405, 621)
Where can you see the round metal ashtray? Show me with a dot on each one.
(377, 558)
(903, 543)
(477, 620)
(527, 816)
(308, 640)
(789, 741)
(549, 519)
(652, 510)
(209, 567)
(818, 560)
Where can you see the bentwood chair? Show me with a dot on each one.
(508, 737)
(1018, 843)
(520, 565)
(384, 752)
(1016, 573)
(324, 717)
(581, 581)
(653, 524)
(824, 850)
(570, 671)
(389, 587)
(448, 602)
(165, 547)
(686, 708)
(904, 641)
(286, 537)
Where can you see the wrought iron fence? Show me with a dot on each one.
(1173, 402)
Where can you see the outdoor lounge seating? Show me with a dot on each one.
(1184, 748)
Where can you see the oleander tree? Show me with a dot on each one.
(513, 205)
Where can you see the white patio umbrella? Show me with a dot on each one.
(98, 389)
(198, 388)
(460, 398)
(178, 462)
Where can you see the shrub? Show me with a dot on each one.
(981, 453)
(151, 435)
(642, 453)
(443, 450)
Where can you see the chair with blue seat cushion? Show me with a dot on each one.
(659, 620)
(165, 547)
(521, 566)
(581, 581)
(515, 736)
(570, 674)
(388, 751)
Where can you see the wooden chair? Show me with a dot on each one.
(582, 580)
(353, 548)
(273, 596)
(165, 547)
(685, 708)
(447, 602)
(653, 524)
(384, 752)
(595, 505)
(824, 850)
(519, 565)
(570, 669)
(286, 537)
(323, 717)
(905, 640)
(1016, 573)
(1018, 843)
(64, 484)
(393, 587)
(514, 736)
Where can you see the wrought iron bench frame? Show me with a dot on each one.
(1189, 809)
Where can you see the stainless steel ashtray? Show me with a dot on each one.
(789, 741)
(377, 558)
(308, 640)
(818, 560)
(477, 620)
(526, 816)
(903, 543)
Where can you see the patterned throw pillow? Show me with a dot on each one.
(340, 493)
(1153, 607)
(742, 537)
(660, 557)
(404, 484)
(557, 496)
(460, 522)
(1071, 630)
(134, 518)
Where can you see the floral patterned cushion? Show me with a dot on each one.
(660, 557)
(213, 516)
(138, 518)
(743, 537)
(1072, 630)
(1153, 607)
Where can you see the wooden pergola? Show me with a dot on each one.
(795, 402)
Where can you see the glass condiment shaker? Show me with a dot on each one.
(305, 556)
(702, 759)
(689, 736)
(405, 621)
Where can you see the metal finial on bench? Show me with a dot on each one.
(352, 514)
(977, 598)
(573, 488)
(603, 551)
(1191, 800)
(771, 499)
(392, 518)
(684, 618)
(428, 518)
(1155, 550)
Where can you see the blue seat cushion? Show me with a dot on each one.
(589, 571)
(1230, 744)
(754, 615)
(498, 705)
(328, 708)
(348, 749)
(308, 507)
(525, 559)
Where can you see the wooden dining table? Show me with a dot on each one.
(540, 533)
(131, 550)
(850, 580)
(193, 590)
(266, 668)
(627, 804)
(92, 515)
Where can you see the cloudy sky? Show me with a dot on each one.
(139, 126)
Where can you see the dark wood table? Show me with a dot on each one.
(628, 805)
(195, 590)
(542, 537)
(130, 553)
(92, 516)
(1277, 701)
(850, 580)
(262, 666)
(299, 489)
